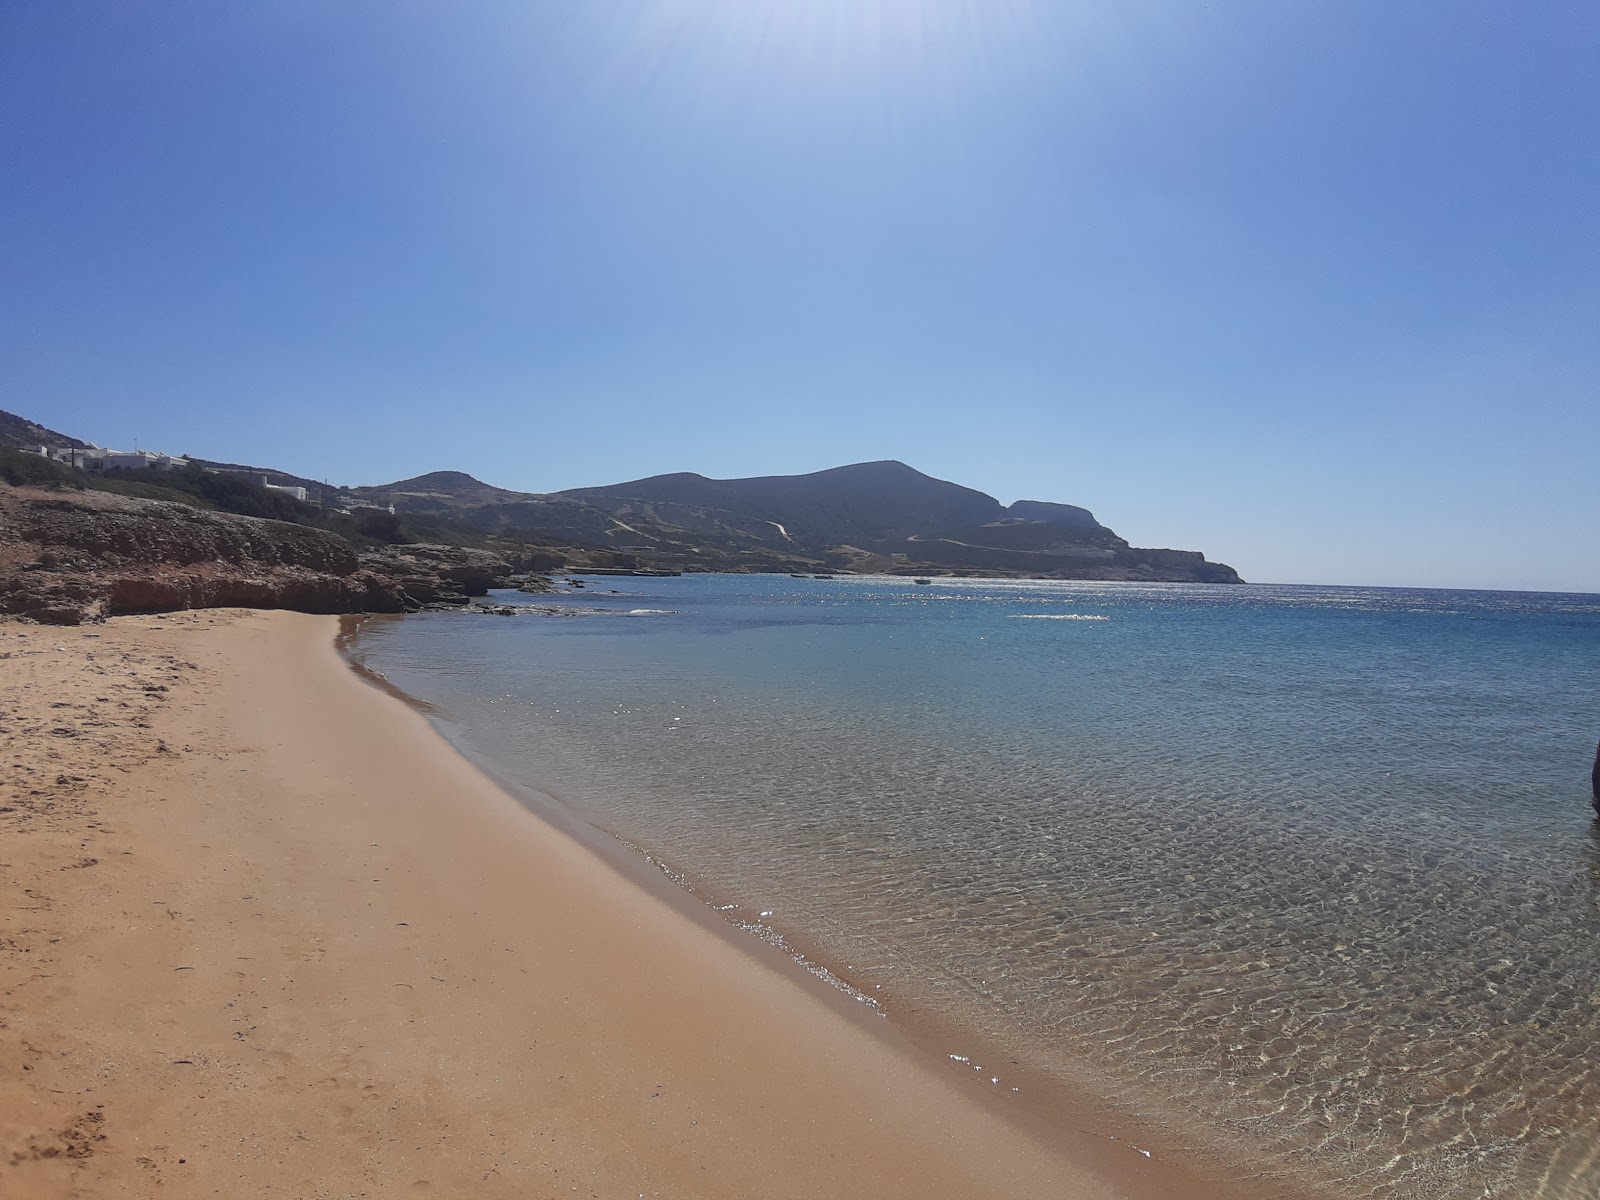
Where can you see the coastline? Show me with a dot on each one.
(268, 930)
(1074, 1115)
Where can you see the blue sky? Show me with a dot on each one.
(1312, 287)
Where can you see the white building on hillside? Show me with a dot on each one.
(98, 458)
(350, 504)
(262, 479)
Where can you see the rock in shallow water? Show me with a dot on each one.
(1594, 782)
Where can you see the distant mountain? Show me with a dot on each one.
(438, 490)
(865, 502)
(873, 516)
(1069, 516)
(876, 516)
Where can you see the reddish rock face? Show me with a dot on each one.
(68, 556)
(288, 587)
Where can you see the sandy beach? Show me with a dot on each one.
(267, 934)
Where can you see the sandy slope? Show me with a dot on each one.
(265, 934)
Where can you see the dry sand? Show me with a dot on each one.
(266, 934)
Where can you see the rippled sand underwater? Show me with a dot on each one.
(1305, 875)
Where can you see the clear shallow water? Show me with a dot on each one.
(1305, 875)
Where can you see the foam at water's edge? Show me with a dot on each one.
(1058, 617)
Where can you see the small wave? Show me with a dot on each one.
(1058, 617)
(648, 612)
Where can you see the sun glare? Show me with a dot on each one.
(840, 48)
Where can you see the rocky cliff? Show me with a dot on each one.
(69, 556)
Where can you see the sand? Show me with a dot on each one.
(266, 934)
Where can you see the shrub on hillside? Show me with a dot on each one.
(19, 468)
(228, 493)
(147, 491)
(380, 525)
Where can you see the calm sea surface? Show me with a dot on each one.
(1305, 876)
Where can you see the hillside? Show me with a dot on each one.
(877, 516)
(437, 491)
(70, 555)
(19, 433)
(864, 502)
(873, 516)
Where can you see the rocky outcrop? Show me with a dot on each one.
(1186, 566)
(71, 556)
(440, 575)
(85, 528)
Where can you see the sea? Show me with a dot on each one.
(1304, 881)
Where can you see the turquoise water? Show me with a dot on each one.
(1305, 877)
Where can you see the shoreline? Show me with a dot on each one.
(1067, 1116)
(268, 930)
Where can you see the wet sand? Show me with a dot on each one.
(265, 933)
